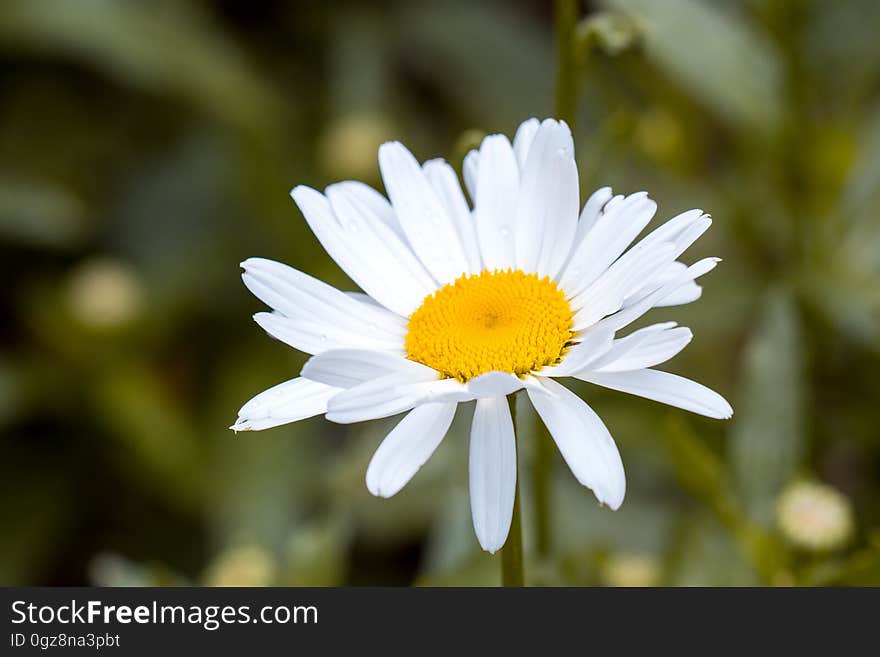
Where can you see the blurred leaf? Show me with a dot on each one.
(580, 523)
(858, 54)
(863, 189)
(492, 63)
(861, 568)
(767, 435)
(36, 512)
(715, 54)
(158, 46)
(360, 75)
(158, 440)
(705, 556)
(451, 540)
(40, 214)
(844, 284)
(481, 570)
(261, 482)
(703, 474)
(12, 390)
(410, 513)
(317, 553)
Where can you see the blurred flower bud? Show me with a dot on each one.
(611, 32)
(244, 565)
(815, 516)
(103, 293)
(630, 569)
(110, 569)
(350, 145)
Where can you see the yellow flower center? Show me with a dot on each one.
(507, 321)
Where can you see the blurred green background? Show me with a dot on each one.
(146, 148)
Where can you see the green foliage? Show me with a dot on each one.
(714, 54)
(768, 436)
(38, 214)
(163, 47)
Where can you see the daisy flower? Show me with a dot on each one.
(472, 302)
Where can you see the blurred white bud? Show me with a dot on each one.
(630, 569)
(350, 145)
(815, 516)
(103, 293)
(244, 565)
(110, 569)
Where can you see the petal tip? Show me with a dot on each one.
(391, 148)
(377, 489)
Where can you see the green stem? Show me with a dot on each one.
(566, 75)
(512, 572)
(543, 491)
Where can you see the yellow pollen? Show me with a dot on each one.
(507, 321)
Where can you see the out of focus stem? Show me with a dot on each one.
(512, 571)
(542, 486)
(566, 15)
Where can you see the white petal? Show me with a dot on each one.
(290, 401)
(622, 346)
(548, 203)
(408, 447)
(469, 169)
(494, 384)
(684, 293)
(631, 313)
(590, 214)
(346, 368)
(522, 140)
(371, 253)
(369, 203)
(646, 347)
(691, 234)
(444, 181)
(492, 469)
(392, 394)
(593, 344)
(584, 441)
(687, 293)
(665, 388)
(299, 296)
(363, 297)
(314, 337)
(608, 293)
(663, 277)
(615, 230)
(496, 200)
(683, 229)
(532, 382)
(430, 230)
